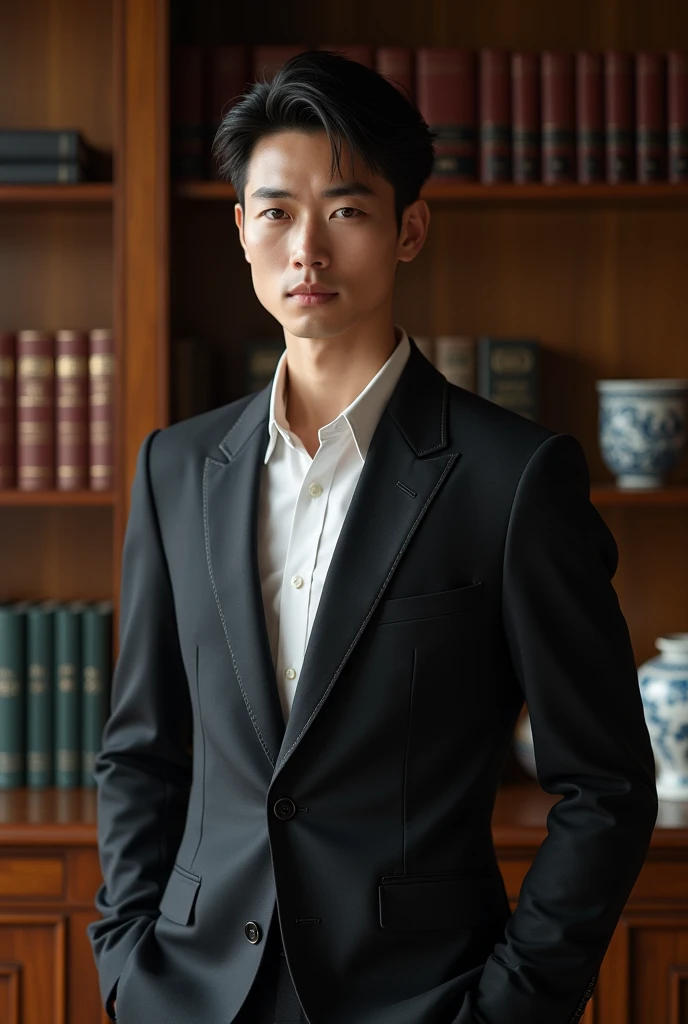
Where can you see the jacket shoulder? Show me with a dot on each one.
(500, 430)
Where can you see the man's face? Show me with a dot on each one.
(340, 233)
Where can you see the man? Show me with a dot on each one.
(336, 594)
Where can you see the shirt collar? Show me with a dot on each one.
(361, 416)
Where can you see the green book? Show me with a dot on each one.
(96, 676)
(12, 693)
(68, 694)
(40, 627)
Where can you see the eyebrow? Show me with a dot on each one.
(348, 188)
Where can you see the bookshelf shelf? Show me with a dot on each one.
(17, 498)
(87, 192)
(476, 192)
(609, 495)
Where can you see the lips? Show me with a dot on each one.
(311, 289)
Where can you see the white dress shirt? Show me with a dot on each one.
(303, 502)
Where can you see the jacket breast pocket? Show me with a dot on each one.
(179, 898)
(426, 901)
(423, 606)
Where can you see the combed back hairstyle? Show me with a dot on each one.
(322, 90)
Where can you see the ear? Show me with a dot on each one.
(414, 230)
(239, 220)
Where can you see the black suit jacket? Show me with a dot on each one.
(471, 572)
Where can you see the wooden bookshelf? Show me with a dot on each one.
(84, 193)
(86, 499)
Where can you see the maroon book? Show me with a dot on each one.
(101, 391)
(8, 377)
(619, 101)
(35, 410)
(558, 117)
(397, 63)
(186, 112)
(495, 115)
(590, 116)
(361, 54)
(650, 87)
(525, 116)
(677, 75)
(267, 59)
(228, 76)
(446, 91)
(71, 410)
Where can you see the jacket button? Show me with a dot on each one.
(284, 808)
(252, 931)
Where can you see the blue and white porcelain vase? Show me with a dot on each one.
(642, 429)
(664, 690)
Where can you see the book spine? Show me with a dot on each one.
(28, 146)
(558, 122)
(96, 676)
(495, 116)
(447, 99)
(101, 408)
(41, 173)
(71, 409)
(525, 106)
(455, 359)
(39, 695)
(228, 76)
(8, 410)
(508, 374)
(267, 59)
(35, 410)
(619, 101)
(186, 110)
(12, 694)
(397, 63)
(677, 75)
(68, 694)
(651, 141)
(590, 116)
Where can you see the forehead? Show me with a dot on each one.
(296, 161)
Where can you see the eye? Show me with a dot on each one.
(351, 209)
(273, 209)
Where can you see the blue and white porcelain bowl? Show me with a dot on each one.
(663, 684)
(642, 429)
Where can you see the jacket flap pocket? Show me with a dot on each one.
(422, 606)
(179, 897)
(437, 901)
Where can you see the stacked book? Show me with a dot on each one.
(48, 157)
(57, 409)
(55, 682)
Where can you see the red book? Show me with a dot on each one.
(590, 116)
(619, 101)
(397, 64)
(71, 410)
(101, 392)
(650, 79)
(186, 111)
(8, 346)
(361, 54)
(228, 76)
(269, 59)
(35, 410)
(558, 117)
(525, 116)
(446, 90)
(677, 61)
(495, 115)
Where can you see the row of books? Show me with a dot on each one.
(56, 409)
(501, 115)
(46, 156)
(504, 370)
(55, 683)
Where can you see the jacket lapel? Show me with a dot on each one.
(405, 466)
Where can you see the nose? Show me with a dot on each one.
(309, 249)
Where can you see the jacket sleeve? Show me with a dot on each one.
(143, 769)
(571, 651)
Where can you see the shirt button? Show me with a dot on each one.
(315, 490)
(290, 673)
(297, 581)
(252, 932)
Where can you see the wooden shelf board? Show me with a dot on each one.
(609, 494)
(631, 192)
(85, 192)
(16, 497)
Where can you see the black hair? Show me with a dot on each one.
(323, 90)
